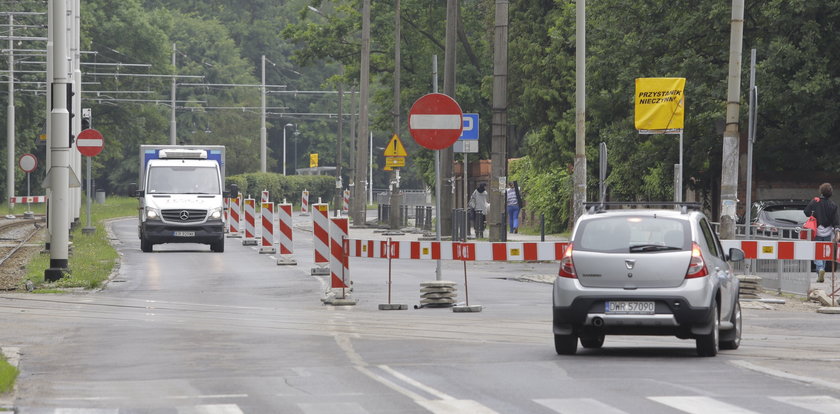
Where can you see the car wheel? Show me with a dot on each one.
(596, 341)
(218, 246)
(565, 344)
(732, 338)
(707, 345)
(146, 245)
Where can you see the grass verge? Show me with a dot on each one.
(8, 373)
(92, 258)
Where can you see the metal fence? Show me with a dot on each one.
(788, 276)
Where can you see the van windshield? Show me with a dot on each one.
(183, 180)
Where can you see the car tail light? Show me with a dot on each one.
(697, 266)
(567, 266)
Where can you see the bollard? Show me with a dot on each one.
(235, 209)
(284, 227)
(428, 221)
(304, 203)
(321, 238)
(542, 226)
(250, 212)
(267, 219)
(340, 283)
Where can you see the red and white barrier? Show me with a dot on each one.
(250, 212)
(267, 235)
(264, 196)
(339, 263)
(781, 250)
(27, 199)
(321, 237)
(447, 250)
(345, 205)
(284, 233)
(304, 203)
(235, 209)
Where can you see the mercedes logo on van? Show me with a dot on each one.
(185, 215)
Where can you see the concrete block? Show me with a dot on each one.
(834, 310)
(464, 308)
(320, 271)
(392, 306)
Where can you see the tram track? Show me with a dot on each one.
(16, 248)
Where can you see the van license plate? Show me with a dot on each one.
(184, 234)
(627, 307)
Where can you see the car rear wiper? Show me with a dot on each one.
(788, 220)
(652, 248)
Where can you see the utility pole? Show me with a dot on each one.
(394, 218)
(579, 175)
(359, 198)
(10, 118)
(339, 182)
(447, 155)
(263, 131)
(172, 124)
(729, 164)
(498, 149)
(59, 173)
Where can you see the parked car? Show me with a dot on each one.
(778, 218)
(646, 272)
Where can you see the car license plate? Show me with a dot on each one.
(639, 308)
(184, 234)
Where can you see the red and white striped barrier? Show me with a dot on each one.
(321, 237)
(27, 199)
(284, 233)
(235, 209)
(267, 235)
(781, 250)
(339, 263)
(345, 205)
(250, 212)
(227, 213)
(304, 203)
(264, 196)
(447, 250)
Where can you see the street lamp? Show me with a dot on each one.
(296, 140)
(284, 146)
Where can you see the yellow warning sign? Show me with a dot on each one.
(395, 148)
(660, 103)
(313, 160)
(767, 249)
(395, 161)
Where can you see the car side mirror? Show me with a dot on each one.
(736, 255)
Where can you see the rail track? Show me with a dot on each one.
(15, 236)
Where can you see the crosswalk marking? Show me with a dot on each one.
(700, 405)
(816, 403)
(578, 406)
(330, 408)
(84, 411)
(211, 409)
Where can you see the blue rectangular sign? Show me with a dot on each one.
(470, 131)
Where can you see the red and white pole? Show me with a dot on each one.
(321, 238)
(339, 263)
(345, 205)
(284, 227)
(235, 209)
(304, 203)
(264, 196)
(249, 239)
(267, 218)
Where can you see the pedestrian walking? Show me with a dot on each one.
(479, 204)
(514, 204)
(828, 219)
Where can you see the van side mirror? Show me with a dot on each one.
(133, 192)
(233, 192)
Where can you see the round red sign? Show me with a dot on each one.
(435, 121)
(28, 162)
(90, 142)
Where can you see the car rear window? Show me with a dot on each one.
(788, 213)
(637, 234)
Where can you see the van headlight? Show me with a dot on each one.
(152, 213)
(216, 213)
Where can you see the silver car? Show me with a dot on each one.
(646, 272)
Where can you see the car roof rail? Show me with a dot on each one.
(600, 207)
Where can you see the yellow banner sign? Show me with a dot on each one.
(660, 103)
(313, 160)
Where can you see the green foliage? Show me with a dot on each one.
(545, 191)
(8, 374)
(287, 187)
(92, 257)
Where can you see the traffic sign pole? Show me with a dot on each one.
(90, 143)
(27, 163)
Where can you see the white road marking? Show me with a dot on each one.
(211, 409)
(578, 406)
(435, 121)
(700, 405)
(84, 411)
(815, 403)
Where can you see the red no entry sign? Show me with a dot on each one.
(28, 163)
(435, 121)
(90, 142)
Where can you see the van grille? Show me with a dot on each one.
(184, 216)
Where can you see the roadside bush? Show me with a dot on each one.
(545, 191)
(281, 186)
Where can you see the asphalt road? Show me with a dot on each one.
(184, 330)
